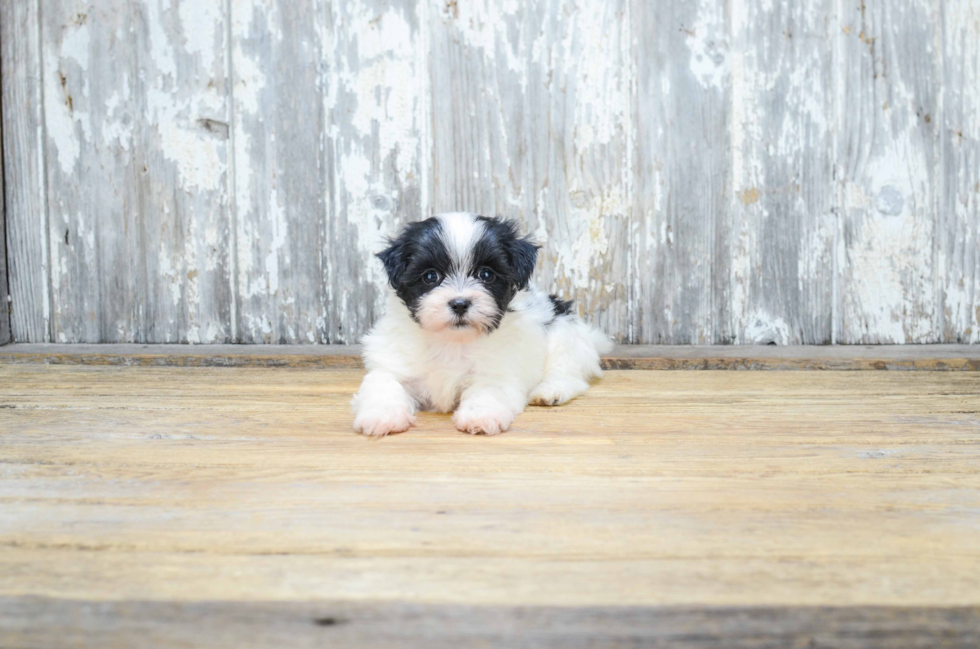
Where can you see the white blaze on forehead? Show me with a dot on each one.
(460, 232)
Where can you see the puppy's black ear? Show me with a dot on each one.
(395, 260)
(523, 255)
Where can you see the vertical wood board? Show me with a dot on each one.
(783, 216)
(578, 154)
(90, 77)
(373, 78)
(182, 114)
(4, 286)
(280, 207)
(682, 173)
(23, 168)
(959, 202)
(887, 168)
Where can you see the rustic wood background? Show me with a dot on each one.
(4, 305)
(699, 171)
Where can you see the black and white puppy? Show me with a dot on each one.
(465, 331)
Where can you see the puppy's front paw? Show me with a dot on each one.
(555, 393)
(482, 417)
(382, 420)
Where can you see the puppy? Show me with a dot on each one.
(465, 332)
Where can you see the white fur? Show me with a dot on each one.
(486, 378)
(435, 315)
(461, 232)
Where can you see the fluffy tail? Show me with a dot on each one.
(603, 343)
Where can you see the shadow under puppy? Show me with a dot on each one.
(466, 332)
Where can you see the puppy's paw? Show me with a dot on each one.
(555, 393)
(382, 420)
(485, 417)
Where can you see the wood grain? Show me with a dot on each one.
(4, 285)
(959, 203)
(23, 169)
(622, 357)
(888, 164)
(184, 237)
(682, 172)
(244, 492)
(783, 218)
(478, 69)
(90, 84)
(374, 79)
(577, 154)
(280, 170)
(34, 622)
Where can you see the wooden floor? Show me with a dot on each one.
(212, 507)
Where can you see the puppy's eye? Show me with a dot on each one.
(430, 276)
(486, 275)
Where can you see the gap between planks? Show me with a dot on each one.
(623, 357)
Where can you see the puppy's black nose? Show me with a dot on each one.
(459, 305)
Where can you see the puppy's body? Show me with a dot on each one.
(465, 331)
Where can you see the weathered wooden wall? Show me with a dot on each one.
(4, 286)
(699, 171)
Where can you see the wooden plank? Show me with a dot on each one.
(374, 80)
(623, 357)
(181, 113)
(784, 217)
(217, 494)
(959, 203)
(4, 285)
(23, 168)
(682, 172)
(323, 356)
(90, 77)
(578, 138)
(280, 170)
(478, 72)
(33, 622)
(888, 163)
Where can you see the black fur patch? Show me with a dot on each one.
(560, 306)
(508, 255)
(501, 238)
(417, 249)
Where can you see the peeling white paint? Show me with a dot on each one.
(279, 227)
(708, 44)
(763, 329)
(385, 85)
(477, 24)
(75, 44)
(370, 222)
(587, 243)
(902, 240)
(601, 97)
(249, 82)
(119, 128)
(890, 294)
(203, 26)
(198, 159)
(65, 73)
(161, 50)
(373, 107)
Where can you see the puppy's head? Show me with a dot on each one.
(457, 272)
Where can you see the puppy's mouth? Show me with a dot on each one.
(460, 323)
